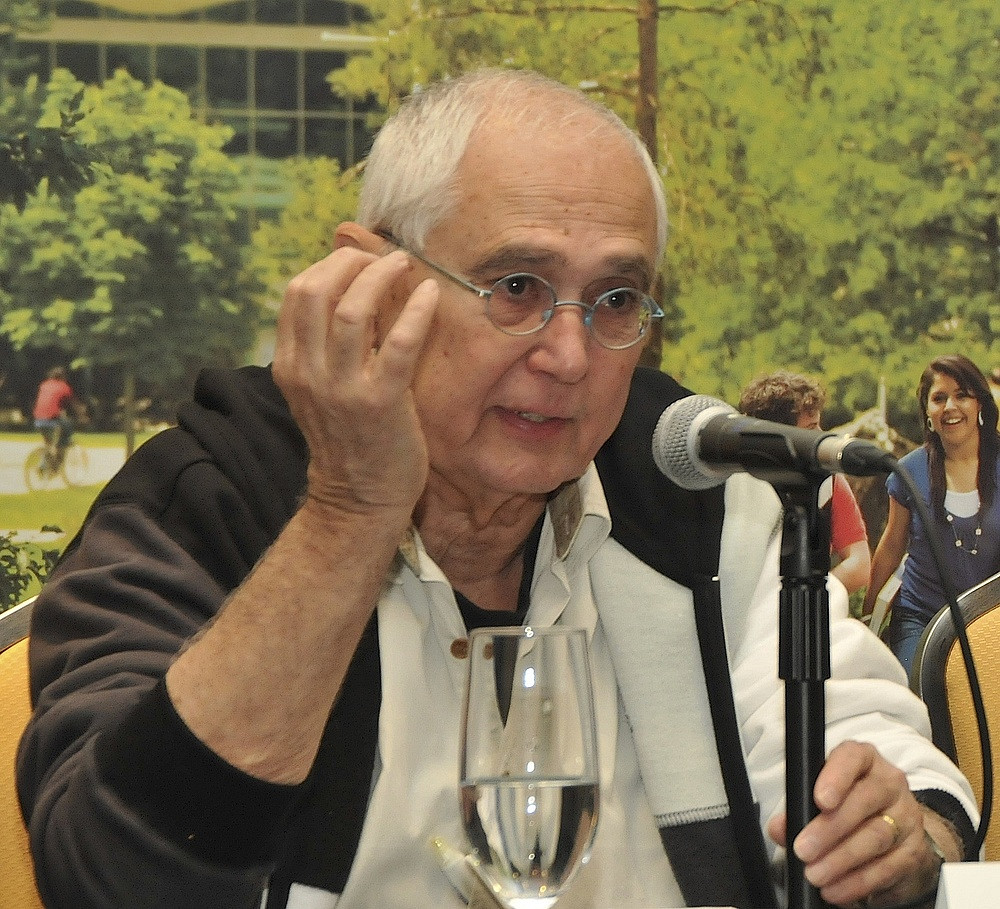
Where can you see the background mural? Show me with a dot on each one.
(833, 171)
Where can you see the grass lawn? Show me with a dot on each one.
(90, 439)
(62, 508)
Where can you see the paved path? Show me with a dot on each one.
(103, 463)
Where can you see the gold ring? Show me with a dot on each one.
(897, 834)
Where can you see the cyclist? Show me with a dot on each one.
(52, 415)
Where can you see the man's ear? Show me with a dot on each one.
(351, 234)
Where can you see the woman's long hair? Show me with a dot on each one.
(971, 380)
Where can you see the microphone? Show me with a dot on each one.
(700, 441)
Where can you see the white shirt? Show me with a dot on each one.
(415, 793)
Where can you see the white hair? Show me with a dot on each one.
(409, 178)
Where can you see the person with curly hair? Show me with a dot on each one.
(798, 400)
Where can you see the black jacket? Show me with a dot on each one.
(121, 795)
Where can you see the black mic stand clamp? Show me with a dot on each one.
(803, 661)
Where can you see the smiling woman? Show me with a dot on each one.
(956, 471)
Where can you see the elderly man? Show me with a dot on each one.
(248, 669)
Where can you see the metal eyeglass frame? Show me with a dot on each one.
(588, 309)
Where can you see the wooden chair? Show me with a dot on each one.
(939, 678)
(17, 872)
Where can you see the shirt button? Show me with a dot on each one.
(460, 648)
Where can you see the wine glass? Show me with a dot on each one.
(529, 782)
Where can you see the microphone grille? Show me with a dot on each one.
(675, 442)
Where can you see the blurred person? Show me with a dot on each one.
(956, 471)
(52, 414)
(798, 400)
(248, 668)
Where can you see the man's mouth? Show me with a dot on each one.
(532, 417)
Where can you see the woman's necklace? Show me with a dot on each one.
(958, 540)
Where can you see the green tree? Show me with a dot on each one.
(606, 49)
(30, 152)
(142, 270)
(831, 167)
(871, 196)
(23, 564)
(322, 197)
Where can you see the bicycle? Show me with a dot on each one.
(48, 463)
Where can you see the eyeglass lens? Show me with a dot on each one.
(523, 303)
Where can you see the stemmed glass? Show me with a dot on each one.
(529, 781)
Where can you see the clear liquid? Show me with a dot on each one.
(530, 837)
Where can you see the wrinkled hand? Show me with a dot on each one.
(850, 851)
(348, 390)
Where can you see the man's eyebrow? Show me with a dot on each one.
(638, 266)
(510, 259)
(515, 258)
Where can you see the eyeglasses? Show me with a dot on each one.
(522, 303)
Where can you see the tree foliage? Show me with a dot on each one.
(832, 168)
(30, 152)
(22, 565)
(322, 197)
(141, 269)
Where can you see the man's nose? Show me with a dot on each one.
(566, 340)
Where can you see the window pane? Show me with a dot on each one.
(135, 60)
(363, 138)
(32, 59)
(81, 60)
(228, 12)
(276, 137)
(329, 137)
(276, 80)
(240, 143)
(227, 78)
(178, 66)
(80, 10)
(319, 95)
(277, 11)
(326, 12)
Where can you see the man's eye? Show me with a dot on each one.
(621, 298)
(521, 287)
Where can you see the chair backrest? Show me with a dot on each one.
(939, 678)
(17, 877)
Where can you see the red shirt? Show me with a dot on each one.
(52, 394)
(847, 526)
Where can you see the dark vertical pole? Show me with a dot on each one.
(804, 665)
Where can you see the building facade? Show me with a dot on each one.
(259, 66)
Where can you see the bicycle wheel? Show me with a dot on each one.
(37, 473)
(76, 466)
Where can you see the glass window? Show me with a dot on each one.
(326, 12)
(319, 95)
(178, 66)
(228, 12)
(135, 60)
(227, 77)
(32, 60)
(282, 12)
(330, 138)
(363, 138)
(82, 60)
(240, 143)
(276, 137)
(78, 10)
(277, 79)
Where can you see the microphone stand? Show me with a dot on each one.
(803, 661)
